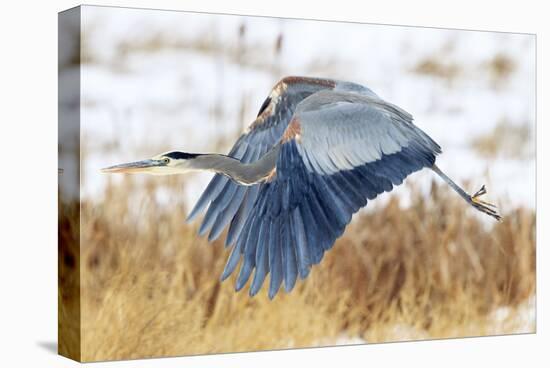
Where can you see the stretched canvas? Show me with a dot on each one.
(314, 183)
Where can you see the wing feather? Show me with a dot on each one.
(224, 203)
(275, 259)
(227, 214)
(344, 155)
(262, 258)
(290, 272)
(238, 221)
(217, 205)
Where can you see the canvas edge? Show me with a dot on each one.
(69, 292)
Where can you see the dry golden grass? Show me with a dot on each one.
(500, 67)
(433, 67)
(506, 140)
(69, 316)
(150, 284)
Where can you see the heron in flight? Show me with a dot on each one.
(317, 152)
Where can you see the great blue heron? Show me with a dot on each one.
(317, 152)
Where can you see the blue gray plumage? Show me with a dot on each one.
(337, 146)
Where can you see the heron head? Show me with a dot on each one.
(173, 162)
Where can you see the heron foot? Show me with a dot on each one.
(482, 206)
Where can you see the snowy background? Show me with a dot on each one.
(154, 81)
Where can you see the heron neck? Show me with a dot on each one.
(243, 173)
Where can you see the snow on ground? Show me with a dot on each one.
(161, 80)
(523, 319)
(503, 320)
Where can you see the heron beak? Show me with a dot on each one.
(134, 167)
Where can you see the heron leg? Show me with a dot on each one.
(473, 200)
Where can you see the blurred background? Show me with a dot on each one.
(416, 264)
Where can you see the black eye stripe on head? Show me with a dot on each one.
(264, 105)
(177, 155)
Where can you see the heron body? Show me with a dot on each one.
(317, 152)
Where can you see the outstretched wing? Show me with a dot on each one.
(339, 151)
(227, 201)
(230, 203)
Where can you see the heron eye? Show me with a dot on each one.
(166, 160)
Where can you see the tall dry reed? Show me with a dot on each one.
(150, 285)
